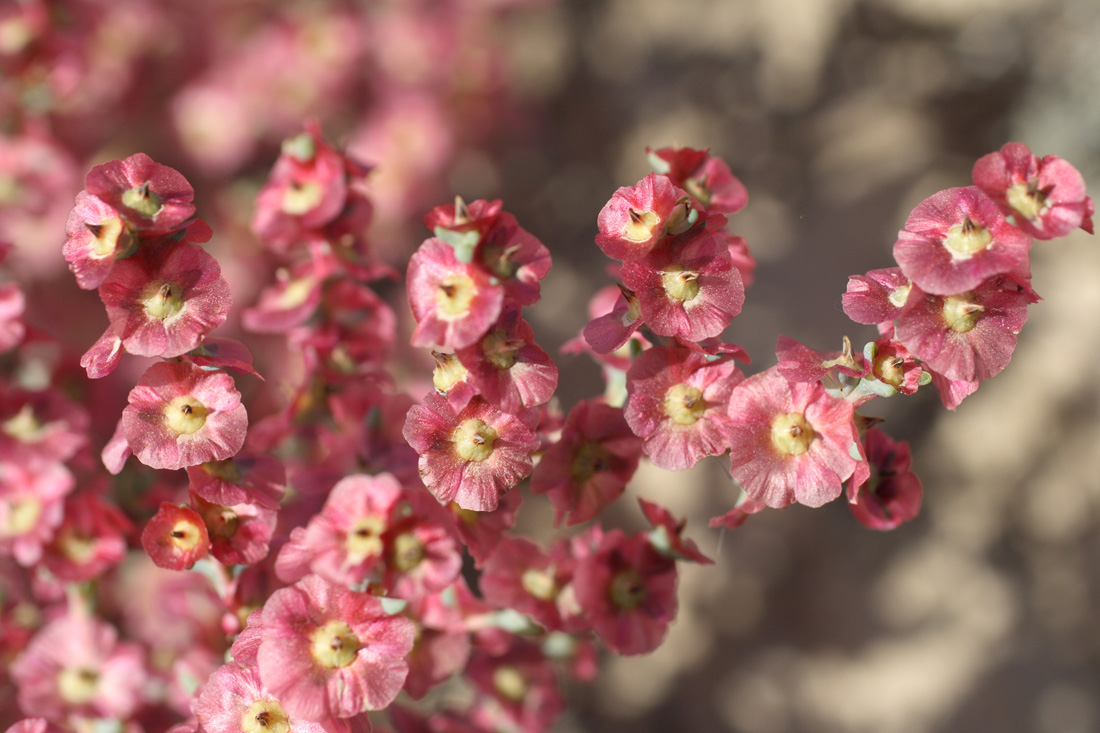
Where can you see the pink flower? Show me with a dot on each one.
(235, 699)
(153, 198)
(422, 557)
(637, 217)
(521, 576)
(516, 257)
(343, 543)
(471, 457)
(454, 303)
(590, 465)
(181, 415)
(521, 685)
(627, 592)
(707, 178)
(75, 667)
(1045, 196)
(330, 652)
(877, 297)
(90, 540)
(687, 287)
(892, 496)
(481, 532)
(969, 336)
(508, 368)
(665, 536)
(677, 404)
(240, 534)
(957, 238)
(792, 441)
(31, 507)
(163, 301)
(95, 236)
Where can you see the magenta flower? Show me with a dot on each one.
(90, 540)
(1045, 196)
(330, 652)
(957, 238)
(792, 441)
(471, 457)
(163, 301)
(152, 198)
(181, 415)
(515, 257)
(627, 591)
(590, 464)
(687, 287)
(677, 404)
(892, 496)
(240, 534)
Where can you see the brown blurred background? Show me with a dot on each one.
(840, 116)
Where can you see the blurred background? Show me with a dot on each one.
(839, 116)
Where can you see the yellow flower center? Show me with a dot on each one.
(499, 350)
(684, 404)
(961, 312)
(301, 198)
(365, 538)
(78, 685)
(265, 716)
(225, 470)
(539, 583)
(680, 284)
(408, 552)
(77, 546)
(448, 372)
(967, 239)
(454, 296)
(627, 591)
(641, 226)
(105, 236)
(888, 369)
(185, 535)
(185, 415)
(23, 516)
(142, 200)
(509, 682)
(473, 440)
(792, 434)
(162, 299)
(24, 426)
(334, 645)
(589, 459)
(221, 521)
(1027, 200)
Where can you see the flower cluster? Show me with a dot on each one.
(355, 550)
